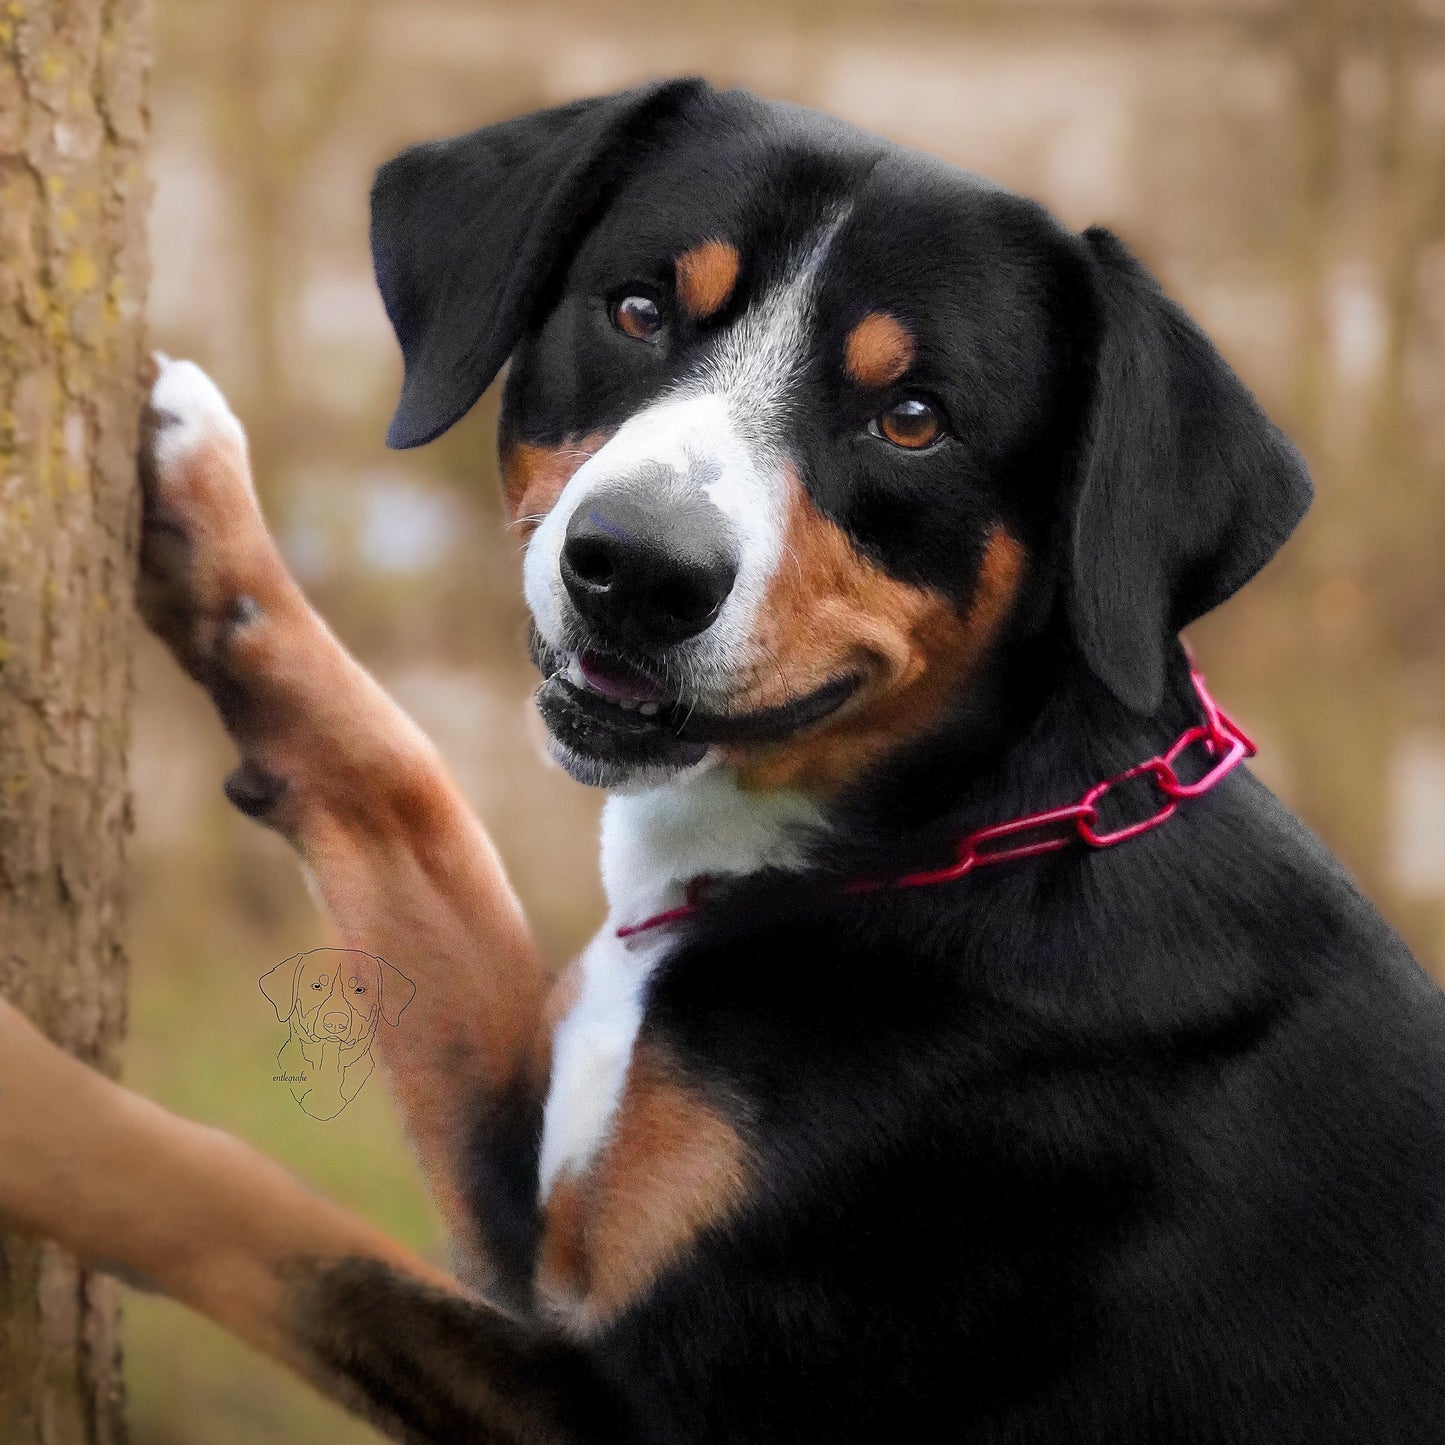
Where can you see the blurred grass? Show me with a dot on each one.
(205, 1042)
(212, 1057)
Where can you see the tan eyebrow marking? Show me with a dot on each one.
(879, 349)
(706, 275)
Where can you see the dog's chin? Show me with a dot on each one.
(617, 741)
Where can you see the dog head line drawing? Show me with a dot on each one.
(333, 1000)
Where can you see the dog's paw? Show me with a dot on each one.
(186, 413)
(204, 546)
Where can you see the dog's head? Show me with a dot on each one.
(800, 423)
(336, 994)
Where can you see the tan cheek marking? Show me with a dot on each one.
(878, 350)
(706, 275)
(834, 611)
(673, 1168)
(533, 476)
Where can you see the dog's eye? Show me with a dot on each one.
(358, 988)
(912, 423)
(638, 317)
(318, 986)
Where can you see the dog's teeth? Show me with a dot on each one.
(574, 673)
(650, 709)
(623, 703)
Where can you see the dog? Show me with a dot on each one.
(331, 999)
(974, 1049)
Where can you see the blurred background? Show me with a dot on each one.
(1281, 165)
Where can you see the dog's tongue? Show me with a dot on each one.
(617, 680)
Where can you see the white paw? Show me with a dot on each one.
(189, 410)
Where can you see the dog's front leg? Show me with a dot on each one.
(175, 1206)
(331, 762)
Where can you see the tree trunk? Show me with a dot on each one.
(72, 281)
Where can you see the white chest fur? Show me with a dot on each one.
(652, 844)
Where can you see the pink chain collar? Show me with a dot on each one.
(1222, 738)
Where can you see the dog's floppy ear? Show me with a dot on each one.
(280, 986)
(397, 990)
(467, 233)
(1187, 489)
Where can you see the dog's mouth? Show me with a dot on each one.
(613, 719)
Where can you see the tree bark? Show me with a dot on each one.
(72, 281)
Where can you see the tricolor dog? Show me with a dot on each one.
(973, 1050)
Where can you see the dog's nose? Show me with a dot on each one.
(334, 1023)
(648, 565)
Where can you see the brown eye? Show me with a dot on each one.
(912, 423)
(637, 316)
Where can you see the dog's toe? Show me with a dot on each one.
(184, 412)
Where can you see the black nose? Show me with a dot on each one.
(648, 565)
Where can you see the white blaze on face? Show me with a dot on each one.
(720, 431)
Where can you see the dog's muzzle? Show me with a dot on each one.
(646, 582)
